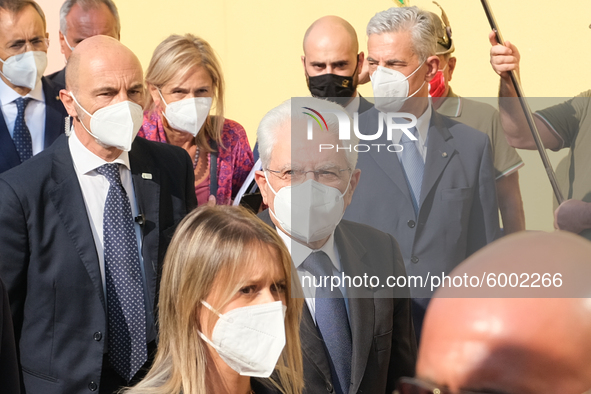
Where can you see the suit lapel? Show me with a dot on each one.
(439, 152)
(8, 154)
(146, 185)
(387, 161)
(54, 113)
(361, 306)
(68, 201)
(313, 347)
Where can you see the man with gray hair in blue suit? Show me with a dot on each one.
(433, 189)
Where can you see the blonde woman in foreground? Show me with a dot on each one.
(227, 320)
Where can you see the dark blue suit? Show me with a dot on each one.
(55, 113)
(50, 265)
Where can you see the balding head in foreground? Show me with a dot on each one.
(512, 345)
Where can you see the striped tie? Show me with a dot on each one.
(414, 166)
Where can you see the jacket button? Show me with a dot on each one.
(411, 223)
(414, 259)
(97, 336)
(92, 386)
(329, 387)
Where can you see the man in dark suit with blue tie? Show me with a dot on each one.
(356, 337)
(432, 184)
(32, 115)
(84, 227)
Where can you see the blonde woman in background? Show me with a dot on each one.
(225, 310)
(186, 108)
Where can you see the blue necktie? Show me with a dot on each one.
(414, 166)
(21, 135)
(125, 296)
(332, 321)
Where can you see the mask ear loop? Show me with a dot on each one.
(67, 43)
(202, 335)
(2, 72)
(79, 120)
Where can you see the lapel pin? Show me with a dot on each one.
(146, 175)
(444, 154)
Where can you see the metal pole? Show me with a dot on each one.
(526, 110)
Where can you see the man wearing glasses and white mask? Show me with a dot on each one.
(355, 337)
(32, 115)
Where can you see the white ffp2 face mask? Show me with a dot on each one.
(25, 69)
(310, 211)
(390, 88)
(115, 125)
(250, 339)
(187, 115)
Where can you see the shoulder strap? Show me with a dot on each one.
(213, 169)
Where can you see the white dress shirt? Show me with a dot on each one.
(422, 126)
(94, 191)
(300, 252)
(34, 112)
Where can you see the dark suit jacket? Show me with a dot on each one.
(364, 105)
(458, 206)
(384, 346)
(55, 113)
(49, 262)
(9, 381)
(58, 79)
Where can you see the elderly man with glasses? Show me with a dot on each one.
(357, 336)
(32, 116)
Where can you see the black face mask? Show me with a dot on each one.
(340, 89)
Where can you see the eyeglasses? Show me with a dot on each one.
(329, 176)
(20, 46)
(418, 386)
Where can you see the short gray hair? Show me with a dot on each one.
(86, 5)
(283, 115)
(412, 19)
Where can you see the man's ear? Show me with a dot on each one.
(451, 66)
(354, 180)
(68, 102)
(62, 43)
(432, 63)
(259, 177)
(355, 175)
(360, 62)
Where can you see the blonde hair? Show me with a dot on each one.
(177, 55)
(213, 244)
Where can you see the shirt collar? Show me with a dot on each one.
(422, 126)
(8, 95)
(85, 161)
(299, 252)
